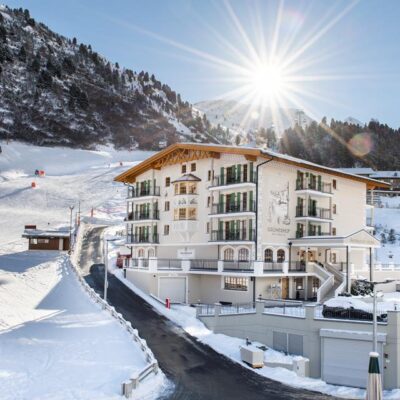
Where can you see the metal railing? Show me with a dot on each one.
(304, 184)
(314, 212)
(235, 235)
(311, 232)
(270, 266)
(366, 314)
(238, 266)
(132, 239)
(292, 308)
(239, 308)
(228, 208)
(204, 265)
(139, 216)
(369, 221)
(226, 179)
(134, 192)
(169, 264)
(297, 266)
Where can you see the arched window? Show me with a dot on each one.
(228, 254)
(268, 255)
(243, 254)
(280, 255)
(150, 253)
(140, 253)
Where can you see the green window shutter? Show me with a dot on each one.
(221, 176)
(251, 172)
(220, 226)
(239, 173)
(155, 229)
(137, 188)
(251, 201)
(238, 198)
(251, 229)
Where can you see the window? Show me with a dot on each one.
(208, 201)
(43, 241)
(166, 206)
(182, 213)
(183, 169)
(334, 208)
(166, 230)
(228, 254)
(280, 255)
(167, 181)
(208, 227)
(334, 231)
(334, 184)
(268, 255)
(33, 241)
(234, 283)
(193, 167)
(298, 283)
(209, 175)
(243, 254)
(141, 253)
(150, 253)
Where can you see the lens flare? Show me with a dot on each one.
(361, 144)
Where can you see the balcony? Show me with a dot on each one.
(233, 236)
(231, 208)
(238, 266)
(297, 266)
(143, 216)
(227, 179)
(204, 265)
(313, 212)
(321, 187)
(143, 192)
(137, 239)
(311, 232)
(270, 266)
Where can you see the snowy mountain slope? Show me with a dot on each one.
(57, 91)
(241, 118)
(55, 343)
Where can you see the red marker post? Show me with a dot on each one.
(168, 303)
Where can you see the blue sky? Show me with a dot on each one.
(350, 60)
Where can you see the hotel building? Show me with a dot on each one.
(209, 223)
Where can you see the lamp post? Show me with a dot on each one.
(105, 248)
(70, 228)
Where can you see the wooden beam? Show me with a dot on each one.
(250, 157)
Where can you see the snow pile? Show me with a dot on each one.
(55, 342)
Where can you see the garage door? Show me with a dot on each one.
(173, 288)
(345, 361)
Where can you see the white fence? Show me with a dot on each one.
(152, 364)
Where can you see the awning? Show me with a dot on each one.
(360, 238)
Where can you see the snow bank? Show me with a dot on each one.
(55, 342)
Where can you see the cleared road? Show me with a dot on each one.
(197, 371)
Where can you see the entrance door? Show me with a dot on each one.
(285, 288)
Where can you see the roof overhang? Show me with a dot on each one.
(185, 152)
(359, 239)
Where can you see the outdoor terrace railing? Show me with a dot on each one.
(317, 212)
(230, 208)
(226, 309)
(133, 192)
(311, 232)
(297, 266)
(238, 266)
(273, 267)
(369, 221)
(226, 179)
(304, 184)
(236, 235)
(203, 265)
(284, 307)
(132, 239)
(139, 216)
(169, 264)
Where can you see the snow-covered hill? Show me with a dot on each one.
(241, 118)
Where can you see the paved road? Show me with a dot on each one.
(197, 371)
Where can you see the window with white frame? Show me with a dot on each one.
(228, 254)
(150, 253)
(140, 253)
(280, 255)
(243, 254)
(236, 283)
(268, 255)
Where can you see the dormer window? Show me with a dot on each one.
(186, 184)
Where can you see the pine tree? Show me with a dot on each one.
(383, 238)
(392, 236)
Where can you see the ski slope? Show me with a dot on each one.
(55, 343)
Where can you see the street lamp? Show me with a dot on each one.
(70, 228)
(105, 248)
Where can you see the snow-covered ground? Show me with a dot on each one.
(55, 342)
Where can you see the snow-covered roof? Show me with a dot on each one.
(45, 233)
(182, 149)
(386, 174)
(358, 171)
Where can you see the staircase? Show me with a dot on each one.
(339, 281)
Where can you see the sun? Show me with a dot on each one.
(266, 82)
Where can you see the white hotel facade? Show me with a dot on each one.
(210, 223)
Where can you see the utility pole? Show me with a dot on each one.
(70, 228)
